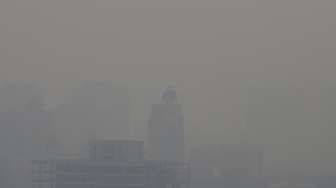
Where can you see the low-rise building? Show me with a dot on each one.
(112, 164)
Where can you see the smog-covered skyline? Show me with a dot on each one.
(252, 71)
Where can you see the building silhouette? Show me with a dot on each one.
(166, 129)
(24, 124)
(120, 163)
(112, 164)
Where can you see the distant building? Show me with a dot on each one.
(166, 129)
(113, 164)
(104, 174)
(226, 166)
(24, 123)
(118, 150)
(228, 160)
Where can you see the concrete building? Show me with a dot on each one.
(103, 174)
(113, 164)
(166, 129)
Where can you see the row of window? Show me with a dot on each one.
(82, 185)
(102, 179)
(100, 169)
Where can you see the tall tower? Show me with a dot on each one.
(166, 129)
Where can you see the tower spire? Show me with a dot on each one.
(169, 95)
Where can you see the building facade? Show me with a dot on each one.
(104, 174)
(117, 150)
(166, 129)
(112, 164)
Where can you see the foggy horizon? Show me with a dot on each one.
(251, 72)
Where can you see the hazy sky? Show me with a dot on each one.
(214, 51)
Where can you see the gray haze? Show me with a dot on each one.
(256, 71)
(99, 109)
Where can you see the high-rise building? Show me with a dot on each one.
(23, 119)
(166, 129)
(24, 123)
